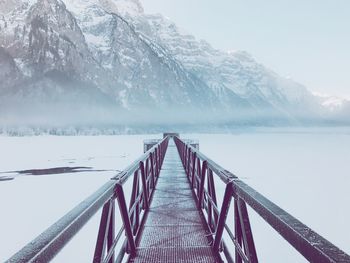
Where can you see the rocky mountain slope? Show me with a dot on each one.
(106, 62)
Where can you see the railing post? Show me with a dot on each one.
(238, 232)
(184, 154)
(185, 157)
(164, 146)
(189, 163)
(201, 187)
(212, 214)
(160, 156)
(188, 157)
(104, 230)
(144, 186)
(249, 246)
(135, 185)
(156, 161)
(111, 231)
(182, 148)
(223, 215)
(193, 169)
(137, 206)
(213, 194)
(148, 176)
(199, 173)
(210, 209)
(125, 217)
(152, 170)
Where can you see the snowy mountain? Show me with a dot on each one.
(234, 71)
(104, 62)
(334, 108)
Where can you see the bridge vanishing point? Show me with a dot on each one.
(174, 215)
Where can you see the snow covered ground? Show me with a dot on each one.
(306, 173)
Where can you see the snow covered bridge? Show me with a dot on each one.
(175, 214)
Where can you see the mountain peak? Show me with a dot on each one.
(123, 7)
(7, 6)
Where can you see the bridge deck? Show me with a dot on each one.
(173, 230)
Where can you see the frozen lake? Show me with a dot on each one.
(306, 173)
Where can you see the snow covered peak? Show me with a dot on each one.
(8, 6)
(241, 55)
(331, 103)
(123, 7)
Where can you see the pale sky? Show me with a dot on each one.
(307, 40)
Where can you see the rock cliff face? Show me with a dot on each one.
(86, 62)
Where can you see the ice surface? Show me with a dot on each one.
(306, 173)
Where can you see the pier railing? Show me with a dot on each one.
(144, 172)
(202, 172)
(233, 242)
